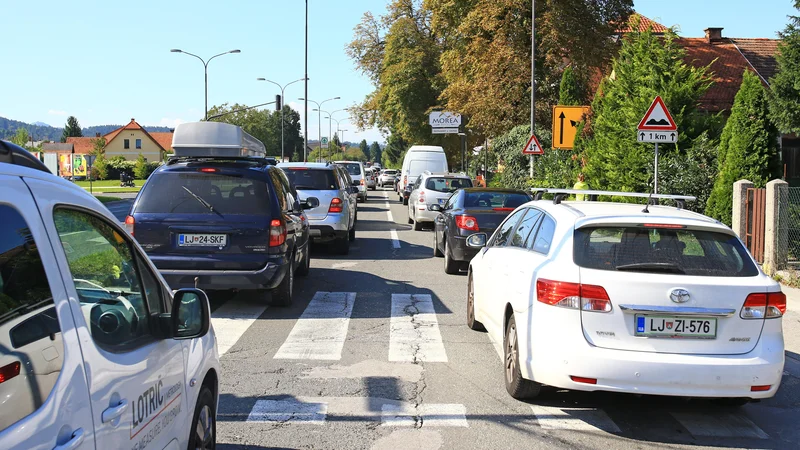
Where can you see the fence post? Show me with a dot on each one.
(739, 221)
(776, 237)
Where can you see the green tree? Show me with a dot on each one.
(98, 146)
(264, 125)
(100, 167)
(785, 98)
(647, 65)
(21, 137)
(392, 155)
(571, 90)
(71, 129)
(140, 169)
(375, 152)
(365, 149)
(691, 172)
(748, 147)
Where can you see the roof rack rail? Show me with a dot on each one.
(561, 194)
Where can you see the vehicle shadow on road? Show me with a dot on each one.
(373, 249)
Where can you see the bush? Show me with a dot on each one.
(100, 168)
(140, 168)
(690, 172)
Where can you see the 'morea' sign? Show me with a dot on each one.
(444, 119)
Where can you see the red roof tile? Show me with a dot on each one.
(644, 24)
(133, 125)
(164, 139)
(82, 144)
(761, 54)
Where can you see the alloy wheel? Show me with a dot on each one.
(511, 352)
(204, 432)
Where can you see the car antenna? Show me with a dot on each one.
(646, 210)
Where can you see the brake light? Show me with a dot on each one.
(502, 209)
(761, 305)
(583, 379)
(587, 297)
(209, 170)
(336, 205)
(467, 223)
(9, 371)
(277, 233)
(362, 182)
(663, 225)
(760, 388)
(405, 180)
(421, 198)
(129, 223)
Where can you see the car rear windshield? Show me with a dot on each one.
(312, 179)
(203, 193)
(443, 184)
(390, 172)
(495, 199)
(352, 168)
(662, 250)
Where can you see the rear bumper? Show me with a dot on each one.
(325, 233)
(423, 215)
(267, 277)
(459, 250)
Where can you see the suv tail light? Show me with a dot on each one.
(421, 198)
(9, 371)
(362, 182)
(761, 305)
(466, 222)
(586, 297)
(129, 223)
(336, 205)
(277, 233)
(405, 180)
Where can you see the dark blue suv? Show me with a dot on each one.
(223, 223)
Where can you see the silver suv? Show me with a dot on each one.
(387, 177)
(358, 174)
(334, 220)
(432, 188)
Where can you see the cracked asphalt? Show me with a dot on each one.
(366, 401)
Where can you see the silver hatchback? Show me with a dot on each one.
(432, 188)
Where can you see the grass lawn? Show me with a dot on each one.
(107, 199)
(106, 184)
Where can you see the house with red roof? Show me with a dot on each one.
(128, 141)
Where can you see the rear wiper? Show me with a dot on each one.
(199, 199)
(660, 267)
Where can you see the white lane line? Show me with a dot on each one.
(231, 320)
(414, 330)
(283, 411)
(389, 213)
(575, 419)
(322, 329)
(425, 415)
(395, 238)
(719, 425)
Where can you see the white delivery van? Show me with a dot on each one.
(418, 159)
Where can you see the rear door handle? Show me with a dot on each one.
(74, 442)
(113, 413)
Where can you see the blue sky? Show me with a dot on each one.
(107, 61)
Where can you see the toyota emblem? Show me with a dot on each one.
(679, 295)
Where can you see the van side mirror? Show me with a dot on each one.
(309, 203)
(435, 207)
(477, 240)
(191, 314)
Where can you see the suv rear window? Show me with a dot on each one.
(352, 168)
(662, 250)
(311, 179)
(171, 192)
(443, 184)
(495, 200)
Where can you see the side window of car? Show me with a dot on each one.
(280, 191)
(452, 201)
(503, 233)
(543, 236)
(524, 228)
(31, 348)
(116, 300)
(291, 199)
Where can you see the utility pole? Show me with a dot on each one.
(305, 111)
(533, 77)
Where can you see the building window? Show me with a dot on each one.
(126, 143)
(139, 143)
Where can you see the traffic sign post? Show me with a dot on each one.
(565, 125)
(323, 142)
(657, 126)
(89, 163)
(533, 147)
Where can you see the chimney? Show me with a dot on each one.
(97, 135)
(713, 34)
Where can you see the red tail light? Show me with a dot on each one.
(761, 305)
(336, 205)
(586, 297)
(129, 223)
(9, 371)
(209, 170)
(502, 209)
(362, 182)
(467, 223)
(277, 233)
(761, 388)
(405, 180)
(583, 379)
(421, 198)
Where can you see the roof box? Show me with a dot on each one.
(215, 139)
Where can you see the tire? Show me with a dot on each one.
(451, 266)
(417, 225)
(204, 427)
(408, 213)
(305, 265)
(351, 233)
(436, 252)
(342, 246)
(471, 322)
(405, 201)
(282, 295)
(518, 387)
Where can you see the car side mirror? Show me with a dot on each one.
(354, 189)
(435, 207)
(357, 183)
(477, 240)
(191, 314)
(309, 203)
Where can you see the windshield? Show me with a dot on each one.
(495, 199)
(442, 184)
(311, 180)
(171, 192)
(354, 169)
(390, 172)
(662, 250)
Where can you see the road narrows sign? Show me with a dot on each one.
(533, 147)
(657, 118)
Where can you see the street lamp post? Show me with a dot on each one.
(205, 68)
(337, 128)
(283, 97)
(330, 137)
(319, 106)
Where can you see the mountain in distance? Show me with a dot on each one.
(44, 132)
(42, 124)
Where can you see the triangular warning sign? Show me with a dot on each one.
(657, 118)
(533, 147)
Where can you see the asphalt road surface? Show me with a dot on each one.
(375, 354)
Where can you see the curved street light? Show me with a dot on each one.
(319, 106)
(282, 88)
(205, 67)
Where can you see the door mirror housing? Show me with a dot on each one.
(309, 203)
(356, 182)
(191, 314)
(435, 207)
(354, 189)
(477, 240)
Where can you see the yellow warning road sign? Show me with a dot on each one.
(565, 124)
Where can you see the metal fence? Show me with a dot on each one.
(791, 217)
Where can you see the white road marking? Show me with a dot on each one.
(322, 329)
(575, 419)
(719, 425)
(231, 320)
(414, 330)
(424, 415)
(395, 238)
(344, 265)
(283, 411)
(389, 213)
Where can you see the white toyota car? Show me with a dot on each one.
(619, 297)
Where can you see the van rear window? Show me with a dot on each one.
(203, 193)
(311, 179)
(442, 184)
(662, 250)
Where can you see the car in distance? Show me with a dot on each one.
(653, 301)
(418, 159)
(96, 351)
(387, 177)
(359, 176)
(432, 188)
(372, 178)
(468, 211)
(217, 215)
(334, 219)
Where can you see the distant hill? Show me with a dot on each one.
(42, 131)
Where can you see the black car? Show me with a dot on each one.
(223, 223)
(469, 211)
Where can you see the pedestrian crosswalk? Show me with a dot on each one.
(322, 329)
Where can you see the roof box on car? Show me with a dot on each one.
(215, 139)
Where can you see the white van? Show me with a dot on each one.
(418, 159)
